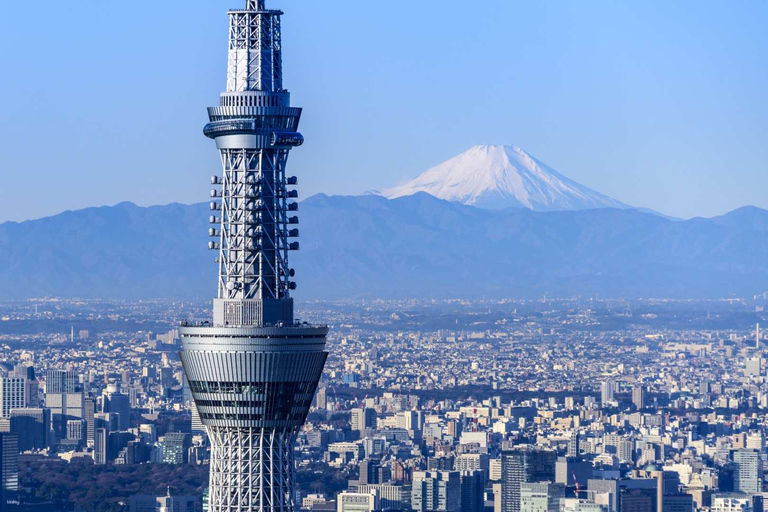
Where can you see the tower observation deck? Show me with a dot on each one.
(253, 372)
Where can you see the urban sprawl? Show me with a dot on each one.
(583, 405)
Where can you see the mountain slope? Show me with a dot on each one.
(123, 251)
(497, 177)
(414, 246)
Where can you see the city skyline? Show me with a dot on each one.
(678, 97)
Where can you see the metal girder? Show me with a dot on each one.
(253, 248)
(251, 470)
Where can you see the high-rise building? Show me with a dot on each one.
(76, 430)
(620, 446)
(637, 492)
(525, 464)
(115, 402)
(436, 491)
(609, 489)
(321, 399)
(638, 500)
(541, 496)
(363, 418)
(472, 462)
(472, 491)
(607, 391)
(638, 396)
(254, 371)
(13, 395)
(64, 407)
(748, 477)
(32, 426)
(369, 472)
(573, 471)
(176, 447)
(26, 370)
(61, 381)
(100, 445)
(444, 463)
(573, 444)
(9, 468)
(678, 503)
(753, 366)
(89, 410)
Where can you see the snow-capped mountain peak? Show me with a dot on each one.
(497, 177)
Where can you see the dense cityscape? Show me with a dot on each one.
(523, 406)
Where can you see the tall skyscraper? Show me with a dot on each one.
(9, 468)
(541, 496)
(638, 396)
(32, 426)
(100, 439)
(13, 395)
(64, 407)
(473, 491)
(362, 419)
(89, 411)
(573, 444)
(436, 491)
(115, 402)
(253, 373)
(522, 465)
(748, 477)
(61, 381)
(607, 390)
(321, 399)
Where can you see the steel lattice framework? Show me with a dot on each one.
(248, 469)
(253, 261)
(254, 371)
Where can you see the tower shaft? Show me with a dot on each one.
(254, 371)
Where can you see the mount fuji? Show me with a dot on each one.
(498, 177)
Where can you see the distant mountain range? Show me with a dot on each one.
(412, 246)
(498, 177)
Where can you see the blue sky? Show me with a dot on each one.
(656, 103)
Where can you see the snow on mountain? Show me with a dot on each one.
(497, 177)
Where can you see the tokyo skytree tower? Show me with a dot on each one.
(254, 370)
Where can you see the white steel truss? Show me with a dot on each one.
(251, 470)
(253, 248)
(255, 50)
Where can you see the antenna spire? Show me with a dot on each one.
(255, 5)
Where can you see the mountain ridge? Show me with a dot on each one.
(413, 246)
